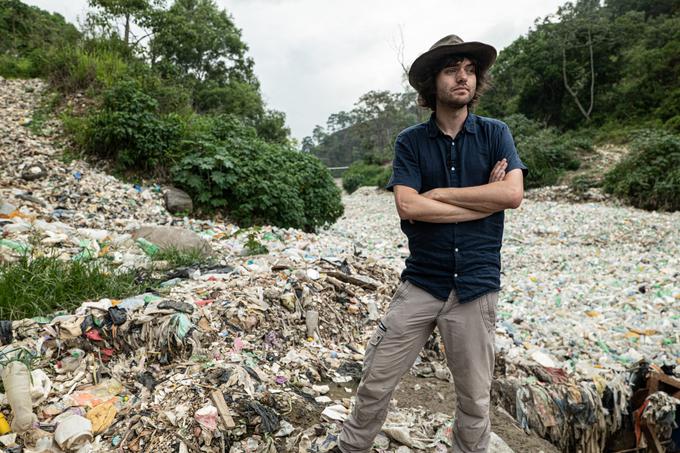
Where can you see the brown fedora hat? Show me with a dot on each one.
(450, 45)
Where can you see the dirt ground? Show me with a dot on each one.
(436, 395)
(440, 397)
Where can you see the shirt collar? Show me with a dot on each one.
(470, 125)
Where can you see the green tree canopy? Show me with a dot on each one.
(198, 40)
(26, 28)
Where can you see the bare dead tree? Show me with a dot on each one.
(584, 112)
(398, 46)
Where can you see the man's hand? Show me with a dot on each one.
(412, 206)
(491, 197)
(498, 172)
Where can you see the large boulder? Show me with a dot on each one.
(173, 238)
(177, 201)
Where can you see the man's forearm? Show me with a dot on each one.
(417, 207)
(489, 198)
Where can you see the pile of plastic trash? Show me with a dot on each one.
(261, 348)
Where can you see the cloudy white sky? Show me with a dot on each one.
(316, 57)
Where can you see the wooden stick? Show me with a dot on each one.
(222, 408)
(353, 280)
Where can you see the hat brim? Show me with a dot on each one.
(422, 66)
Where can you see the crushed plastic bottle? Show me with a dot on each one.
(149, 248)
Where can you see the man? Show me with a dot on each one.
(452, 178)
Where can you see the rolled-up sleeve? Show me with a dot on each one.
(506, 150)
(405, 167)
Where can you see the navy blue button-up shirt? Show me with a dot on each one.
(464, 256)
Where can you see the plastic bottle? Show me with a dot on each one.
(13, 245)
(17, 381)
(149, 248)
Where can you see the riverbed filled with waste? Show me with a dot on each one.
(259, 347)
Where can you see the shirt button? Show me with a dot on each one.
(453, 168)
(455, 275)
(455, 250)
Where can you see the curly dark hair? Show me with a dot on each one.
(427, 94)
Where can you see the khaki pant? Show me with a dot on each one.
(468, 334)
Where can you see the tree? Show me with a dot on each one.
(26, 28)
(271, 126)
(202, 42)
(578, 22)
(366, 132)
(650, 9)
(130, 11)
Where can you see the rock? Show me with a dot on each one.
(177, 201)
(33, 172)
(498, 445)
(172, 238)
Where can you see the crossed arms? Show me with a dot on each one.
(462, 204)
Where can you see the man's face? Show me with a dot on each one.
(456, 84)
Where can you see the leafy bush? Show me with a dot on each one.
(73, 68)
(649, 177)
(19, 67)
(237, 98)
(224, 165)
(543, 150)
(673, 124)
(361, 174)
(129, 130)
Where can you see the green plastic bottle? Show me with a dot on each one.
(149, 248)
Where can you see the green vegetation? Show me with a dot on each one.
(362, 173)
(547, 75)
(254, 247)
(649, 178)
(129, 130)
(35, 286)
(366, 132)
(155, 101)
(180, 103)
(226, 165)
(29, 35)
(544, 150)
(180, 258)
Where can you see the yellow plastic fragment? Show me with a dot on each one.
(102, 416)
(4, 426)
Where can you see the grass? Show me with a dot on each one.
(181, 258)
(38, 286)
(43, 112)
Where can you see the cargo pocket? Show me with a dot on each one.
(399, 295)
(487, 305)
(373, 344)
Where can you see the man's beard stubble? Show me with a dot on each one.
(454, 104)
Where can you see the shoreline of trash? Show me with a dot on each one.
(240, 354)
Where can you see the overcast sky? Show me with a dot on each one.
(316, 57)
